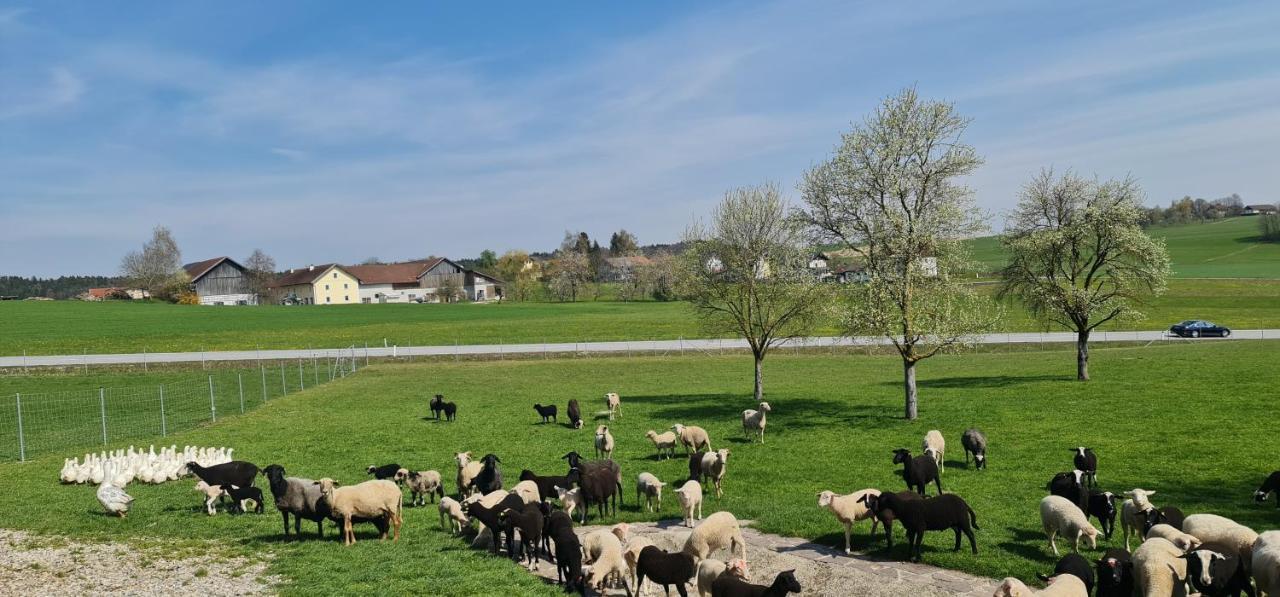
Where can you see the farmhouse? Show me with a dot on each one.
(328, 284)
(1256, 210)
(622, 269)
(424, 281)
(220, 281)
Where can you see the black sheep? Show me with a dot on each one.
(489, 517)
(974, 442)
(569, 562)
(546, 485)
(1102, 505)
(665, 569)
(695, 466)
(1270, 486)
(728, 585)
(918, 471)
(236, 472)
(575, 414)
(546, 412)
(886, 517)
(599, 486)
(437, 405)
(554, 522)
(490, 478)
(1087, 461)
(385, 471)
(1217, 572)
(239, 494)
(1115, 574)
(587, 469)
(279, 486)
(529, 523)
(1170, 515)
(1075, 565)
(1070, 485)
(947, 511)
(450, 411)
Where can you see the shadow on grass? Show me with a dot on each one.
(980, 381)
(802, 413)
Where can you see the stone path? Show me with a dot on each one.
(821, 569)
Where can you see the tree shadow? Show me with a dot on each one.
(980, 381)
(801, 413)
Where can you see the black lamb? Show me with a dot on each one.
(1070, 485)
(239, 494)
(546, 485)
(1216, 571)
(1115, 574)
(554, 522)
(490, 478)
(947, 511)
(1170, 515)
(918, 471)
(1087, 461)
(236, 472)
(974, 441)
(529, 523)
(489, 517)
(665, 569)
(569, 561)
(575, 414)
(1270, 486)
(386, 471)
(437, 405)
(1075, 565)
(546, 412)
(886, 517)
(450, 411)
(728, 585)
(1102, 505)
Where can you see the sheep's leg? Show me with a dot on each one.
(957, 530)
(1053, 543)
(973, 541)
(1076, 547)
(938, 481)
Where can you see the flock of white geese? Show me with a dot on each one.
(113, 471)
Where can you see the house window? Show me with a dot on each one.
(346, 299)
(326, 299)
(344, 285)
(326, 286)
(365, 300)
(335, 275)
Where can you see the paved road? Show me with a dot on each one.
(650, 346)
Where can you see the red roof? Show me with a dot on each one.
(304, 275)
(406, 272)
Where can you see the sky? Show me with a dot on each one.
(338, 131)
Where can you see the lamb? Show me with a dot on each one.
(936, 445)
(490, 518)
(918, 471)
(489, 478)
(690, 495)
(665, 443)
(613, 403)
(848, 510)
(975, 442)
(598, 542)
(546, 484)
(1132, 512)
(529, 523)
(236, 472)
(1085, 460)
(569, 561)
(709, 570)
(649, 488)
(491, 501)
(297, 496)
(528, 491)
(1217, 573)
(571, 499)
(422, 484)
(729, 585)
(753, 421)
(371, 499)
(1169, 515)
(609, 569)
(1227, 533)
(712, 466)
(1075, 565)
(1180, 539)
(883, 515)
(240, 495)
(1062, 585)
(603, 550)
(1159, 569)
(631, 553)
(1061, 517)
(438, 405)
(1265, 564)
(1268, 487)
(386, 471)
(665, 569)
(947, 511)
(451, 514)
(1071, 486)
(1102, 505)
(554, 522)
(575, 413)
(1115, 574)
(604, 442)
(212, 493)
(467, 471)
(692, 436)
(718, 531)
(547, 412)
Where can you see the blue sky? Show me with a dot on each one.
(339, 131)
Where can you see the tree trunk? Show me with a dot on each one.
(759, 378)
(1082, 356)
(909, 386)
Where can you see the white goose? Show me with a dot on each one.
(113, 498)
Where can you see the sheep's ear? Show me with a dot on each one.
(1151, 493)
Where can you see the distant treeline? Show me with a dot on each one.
(1187, 210)
(62, 287)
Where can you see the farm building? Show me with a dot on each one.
(328, 284)
(421, 281)
(220, 281)
(1260, 209)
(622, 269)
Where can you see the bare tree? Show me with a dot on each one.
(157, 268)
(890, 194)
(450, 289)
(745, 273)
(261, 270)
(570, 275)
(1078, 256)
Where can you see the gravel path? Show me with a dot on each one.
(36, 565)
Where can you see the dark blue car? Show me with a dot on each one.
(1195, 328)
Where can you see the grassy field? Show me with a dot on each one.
(835, 422)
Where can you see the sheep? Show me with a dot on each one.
(240, 495)
(1075, 565)
(492, 501)
(709, 570)
(569, 561)
(422, 484)
(918, 471)
(546, 484)
(1085, 460)
(1265, 564)
(451, 514)
(947, 511)
(649, 488)
(1061, 517)
(236, 472)
(1180, 539)
(548, 412)
(467, 471)
(753, 421)
(609, 569)
(664, 443)
(571, 499)
(1216, 573)
(437, 405)
(665, 569)
(528, 491)
(553, 523)
(600, 480)
(729, 585)
(529, 523)
(212, 493)
(718, 531)
(1211, 528)
(371, 499)
(1169, 515)
(604, 442)
(603, 550)
(1102, 505)
(1268, 487)
(1071, 486)
(692, 436)
(631, 553)
(386, 471)
(712, 466)
(613, 403)
(690, 495)
(297, 496)
(489, 478)
(1159, 569)
(575, 413)
(936, 445)
(848, 510)
(489, 518)
(1115, 574)
(975, 442)
(1062, 585)
(883, 515)
(597, 542)
(1132, 513)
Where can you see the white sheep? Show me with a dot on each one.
(613, 403)
(1132, 513)
(604, 442)
(421, 484)
(753, 421)
(692, 436)
(1266, 564)
(1061, 517)
(649, 488)
(211, 493)
(599, 541)
(664, 442)
(1182, 540)
(1062, 585)
(709, 570)
(936, 445)
(713, 466)
(467, 471)
(484, 535)
(570, 499)
(451, 510)
(371, 499)
(631, 554)
(848, 510)
(1159, 569)
(608, 569)
(690, 495)
(528, 492)
(718, 531)
(1211, 528)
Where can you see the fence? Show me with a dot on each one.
(40, 423)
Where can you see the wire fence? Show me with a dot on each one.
(35, 424)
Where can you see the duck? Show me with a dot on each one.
(68, 474)
(114, 499)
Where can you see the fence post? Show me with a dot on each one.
(455, 350)
(240, 383)
(164, 431)
(144, 359)
(314, 369)
(263, 370)
(213, 405)
(22, 441)
(302, 385)
(102, 409)
(366, 354)
(284, 385)
(85, 358)
(24, 359)
(203, 365)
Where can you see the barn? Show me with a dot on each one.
(220, 281)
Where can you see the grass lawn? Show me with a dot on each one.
(1185, 420)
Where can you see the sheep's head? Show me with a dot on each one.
(1201, 566)
(1139, 497)
(1260, 496)
(1112, 570)
(326, 487)
(653, 435)
(1187, 543)
(401, 475)
(601, 430)
(273, 471)
(621, 530)
(871, 500)
(723, 455)
(678, 428)
(764, 407)
(463, 458)
(1012, 587)
(490, 460)
(901, 455)
(825, 498)
(1091, 533)
(738, 567)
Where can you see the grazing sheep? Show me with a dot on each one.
(1266, 564)
(1075, 565)
(718, 531)
(422, 484)
(575, 413)
(236, 472)
(692, 437)
(490, 478)
(1062, 585)
(1115, 574)
(569, 560)
(631, 553)
(1133, 513)
(975, 442)
(548, 412)
(467, 471)
(665, 569)
(1085, 460)
(1222, 531)
(528, 491)
(1159, 569)
(602, 540)
(1215, 573)
(604, 442)
(918, 471)
(1102, 505)
(690, 495)
(884, 515)
(753, 421)
(1268, 487)
(614, 405)
(936, 445)
(709, 570)
(529, 523)
(664, 443)
(1070, 485)
(1180, 539)
(848, 510)
(386, 471)
(546, 484)
(731, 586)
(297, 496)
(451, 514)
(570, 500)
(371, 499)
(649, 488)
(212, 493)
(712, 466)
(240, 495)
(1061, 517)
(947, 511)
(603, 550)
(1169, 515)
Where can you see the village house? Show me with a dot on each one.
(422, 281)
(328, 284)
(622, 269)
(1259, 209)
(221, 281)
